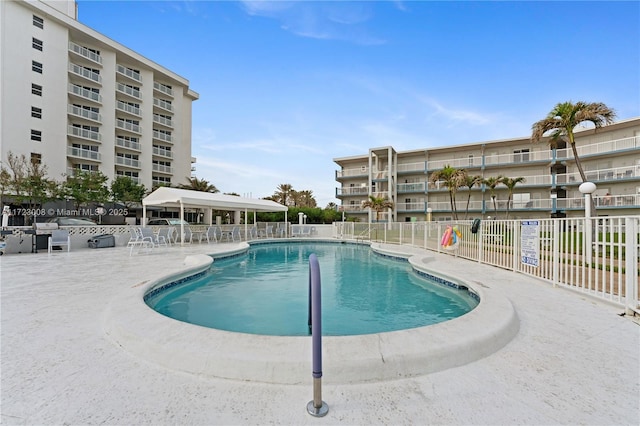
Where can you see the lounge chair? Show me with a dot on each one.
(59, 237)
(266, 232)
(166, 234)
(296, 231)
(137, 240)
(156, 240)
(253, 233)
(234, 234)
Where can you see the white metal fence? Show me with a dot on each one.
(597, 256)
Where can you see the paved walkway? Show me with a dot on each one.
(573, 361)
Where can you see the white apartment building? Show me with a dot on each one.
(610, 158)
(74, 99)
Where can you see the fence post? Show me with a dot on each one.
(631, 265)
(555, 247)
(515, 244)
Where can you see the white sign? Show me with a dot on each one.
(530, 242)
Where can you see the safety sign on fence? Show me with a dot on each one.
(530, 242)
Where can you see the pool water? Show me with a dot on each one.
(266, 292)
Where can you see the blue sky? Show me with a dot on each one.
(285, 87)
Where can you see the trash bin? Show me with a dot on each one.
(102, 241)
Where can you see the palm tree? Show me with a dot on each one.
(452, 179)
(283, 193)
(511, 183)
(469, 182)
(378, 204)
(491, 183)
(201, 185)
(560, 123)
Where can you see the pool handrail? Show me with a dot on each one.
(317, 407)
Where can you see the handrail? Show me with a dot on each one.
(317, 407)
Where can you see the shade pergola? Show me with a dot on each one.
(181, 198)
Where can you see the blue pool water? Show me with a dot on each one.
(266, 292)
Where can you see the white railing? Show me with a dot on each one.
(128, 72)
(85, 53)
(85, 73)
(411, 187)
(625, 172)
(162, 168)
(411, 207)
(163, 88)
(359, 171)
(123, 106)
(162, 136)
(83, 153)
(600, 147)
(122, 88)
(161, 103)
(162, 120)
(125, 125)
(135, 179)
(129, 162)
(411, 167)
(84, 113)
(458, 163)
(84, 133)
(162, 152)
(604, 201)
(352, 191)
(125, 143)
(597, 257)
(84, 93)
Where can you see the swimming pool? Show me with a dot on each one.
(266, 292)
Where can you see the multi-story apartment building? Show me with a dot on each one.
(74, 99)
(610, 158)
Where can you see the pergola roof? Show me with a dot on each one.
(174, 197)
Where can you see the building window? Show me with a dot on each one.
(36, 112)
(36, 135)
(36, 66)
(36, 44)
(38, 21)
(36, 158)
(520, 155)
(36, 89)
(470, 159)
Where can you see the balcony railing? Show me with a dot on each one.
(613, 174)
(411, 187)
(458, 163)
(380, 174)
(601, 147)
(79, 132)
(85, 73)
(128, 162)
(84, 93)
(125, 143)
(161, 103)
(162, 120)
(85, 53)
(128, 72)
(352, 191)
(125, 107)
(417, 206)
(134, 93)
(162, 88)
(602, 202)
(135, 179)
(84, 113)
(125, 125)
(461, 206)
(412, 167)
(162, 168)
(74, 171)
(83, 153)
(162, 152)
(517, 158)
(162, 136)
(355, 172)
(353, 208)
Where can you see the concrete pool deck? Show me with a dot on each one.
(574, 360)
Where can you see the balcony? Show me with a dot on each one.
(83, 153)
(379, 175)
(129, 73)
(162, 88)
(162, 137)
(612, 175)
(518, 158)
(414, 206)
(74, 171)
(419, 167)
(135, 179)
(84, 113)
(130, 127)
(129, 91)
(85, 73)
(461, 206)
(162, 152)
(602, 202)
(411, 187)
(127, 144)
(128, 162)
(83, 93)
(161, 103)
(345, 192)
(162, 120)
(129, 109)
(85, 53)
(162, 168)
(599, 148)
(358, 172)
(79, 132)
(353, 208)
(458, 163)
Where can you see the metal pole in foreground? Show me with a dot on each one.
(317, 407)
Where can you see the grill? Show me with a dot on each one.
(40, 235)
(44, 228)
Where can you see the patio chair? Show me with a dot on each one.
(266, 232)
(253, 233)
(296, 231)
(166, 234)
(137, 240)
(156, 240)
(59, 237)
(214, 233)
(280, 231)
(234, 234)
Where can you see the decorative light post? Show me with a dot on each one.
(588, 188)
